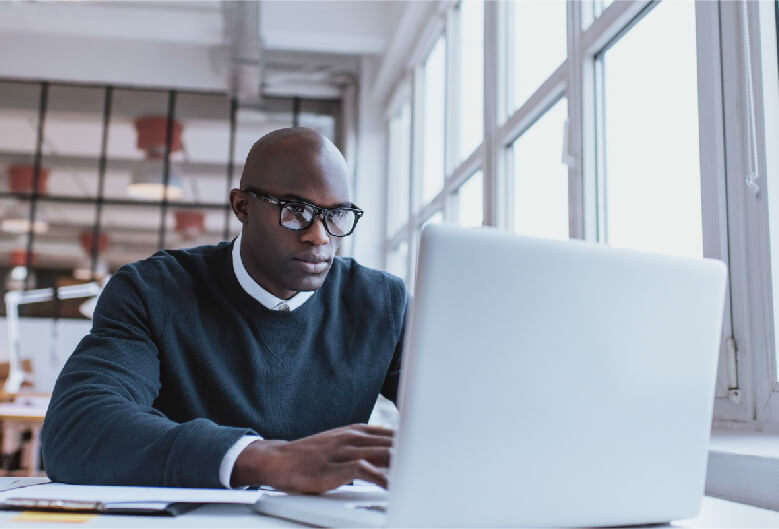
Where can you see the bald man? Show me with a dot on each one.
(255, 362)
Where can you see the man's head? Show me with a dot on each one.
(289, 164)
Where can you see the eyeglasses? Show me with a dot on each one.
(297, 215)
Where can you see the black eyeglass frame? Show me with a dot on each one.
(318, 211)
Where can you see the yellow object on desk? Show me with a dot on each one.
(52, 517)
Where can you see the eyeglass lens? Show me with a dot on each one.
(295, 216)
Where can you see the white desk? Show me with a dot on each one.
(714, 514)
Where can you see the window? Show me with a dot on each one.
(471, 73)
(537, 45)
(540, 178)
(650, 179)
(470, 201)
(434, 108)
(771, 95)
(120, 173)
(645, 125)
(398, 166)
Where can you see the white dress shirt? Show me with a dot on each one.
(269, 301)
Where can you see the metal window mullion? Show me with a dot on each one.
(229, 172)
(101, 170)
(166, 166)
(550, 91)
(577, 181)
(42, 104)
(494, 205)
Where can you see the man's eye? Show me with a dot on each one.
(295, 208)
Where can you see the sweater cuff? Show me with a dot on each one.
(231, 456)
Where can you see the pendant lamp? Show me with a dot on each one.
(147, 181)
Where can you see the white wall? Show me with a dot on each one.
(36, 343)
(368, 246)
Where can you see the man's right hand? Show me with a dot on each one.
(317, 463)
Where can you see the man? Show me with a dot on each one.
(251, 363)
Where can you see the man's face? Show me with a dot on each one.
(284, 261)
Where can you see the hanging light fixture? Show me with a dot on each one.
(147, 179)
(17, 218)
(84, 270)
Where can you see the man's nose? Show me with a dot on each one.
(316, 234)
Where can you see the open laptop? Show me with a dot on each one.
(544, 383)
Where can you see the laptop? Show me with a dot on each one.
(544, 383)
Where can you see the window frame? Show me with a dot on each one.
(735, 225)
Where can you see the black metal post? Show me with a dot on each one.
(229, 209)
(44, 99)
(109, 91)
(166, 166)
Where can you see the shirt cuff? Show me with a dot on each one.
(231, 456)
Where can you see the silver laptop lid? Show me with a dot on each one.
(551, 383)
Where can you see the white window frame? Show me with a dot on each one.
(735, 222)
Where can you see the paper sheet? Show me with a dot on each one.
(49, 517)
(127, 495)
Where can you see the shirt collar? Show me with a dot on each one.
(254, 289)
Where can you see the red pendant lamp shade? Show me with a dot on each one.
(21, 179)
(190, 224)
(19, 258)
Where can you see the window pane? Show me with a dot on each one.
(538, 45)
(133, 233)
(398, 169)
(471, 84)
(397, 260)
(540, 178)
(433, 139)
(72, 140)
(189, 227)
(18, 122)
(470, 204)
(652, 172)
(134, 157)
(205, 140)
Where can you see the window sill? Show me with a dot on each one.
(744, 467)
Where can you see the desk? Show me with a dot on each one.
(26, 417)
(715, 513)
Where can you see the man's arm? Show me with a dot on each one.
(319, 462)
(101, 427)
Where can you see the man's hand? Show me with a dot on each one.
(319, 462)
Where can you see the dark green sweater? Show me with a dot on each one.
(181, 362)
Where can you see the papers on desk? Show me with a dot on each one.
(127, 500)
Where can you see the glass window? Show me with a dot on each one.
(133, 233)
(398, 169)
(650, 179)
(471, 70)
(537, 37)
(397, 260)
(73, 140)
(188, 227)
(470, 201)
(136, 147)
(433, 124)
(540, 177)
(205, 146)
(19, 104)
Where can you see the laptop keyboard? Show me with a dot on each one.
(374, 508)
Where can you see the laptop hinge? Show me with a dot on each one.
(734, 391)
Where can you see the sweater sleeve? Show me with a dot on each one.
(101, 426)
(399, 302)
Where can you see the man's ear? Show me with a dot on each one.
(240, 205)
